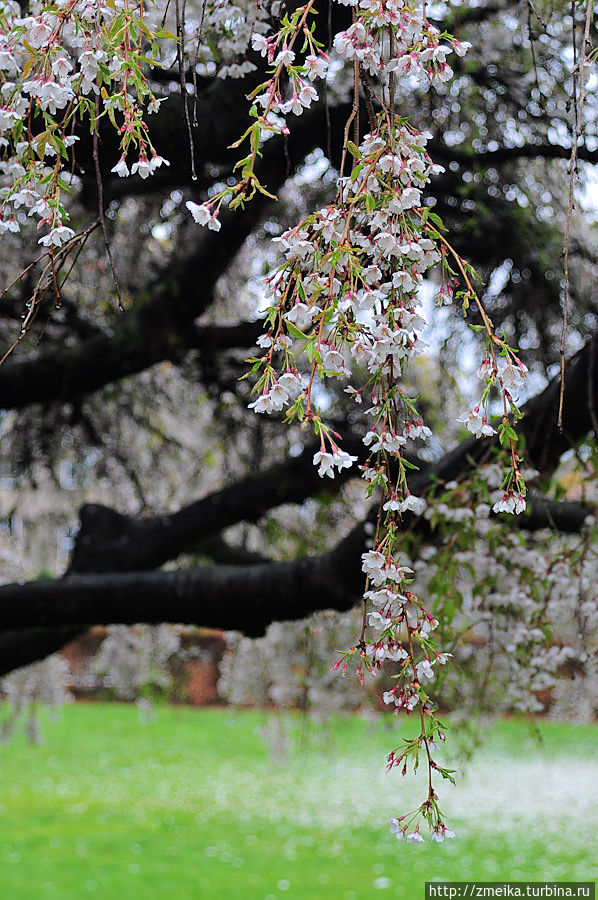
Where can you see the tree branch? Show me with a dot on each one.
(111, 542)
(108, 541)
(545, 443)
(565, 517)
(246, 598)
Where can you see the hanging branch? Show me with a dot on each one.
(579, 95)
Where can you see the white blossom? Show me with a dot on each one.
(415, 838)
(57, 236)
(477, 423)
(121, 169)
(327, 462)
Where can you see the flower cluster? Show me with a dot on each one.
(507, 374)
(59, 64)
(514, 596)
(222, 35)
(394, 39)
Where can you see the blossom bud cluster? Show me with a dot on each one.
(222, 35)
(350, 280)
(394, 39)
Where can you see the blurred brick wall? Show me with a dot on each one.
(195, 679)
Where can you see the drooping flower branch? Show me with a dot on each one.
(350, 284)
(63, 64)
(53, 64)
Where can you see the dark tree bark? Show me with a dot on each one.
(245, 598)
(110, 542)
(254, 596)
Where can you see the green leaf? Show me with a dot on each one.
(294, 331)
(435, 218)
(162, 33)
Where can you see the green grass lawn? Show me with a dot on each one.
(192, 806)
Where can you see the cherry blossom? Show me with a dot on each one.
(510, 503)
(121, 169)
(415, 837)
(477, 423)
(57, 236)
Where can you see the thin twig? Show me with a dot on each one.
(579, 71)
(532, 38)
(354, 111)
(165, 14)
(368, 94)
(180, 29)
(326, 97)
(196, 61)
(391, 83)
(542, 22)
(356, 101)
(102, 218)
(45, 281)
